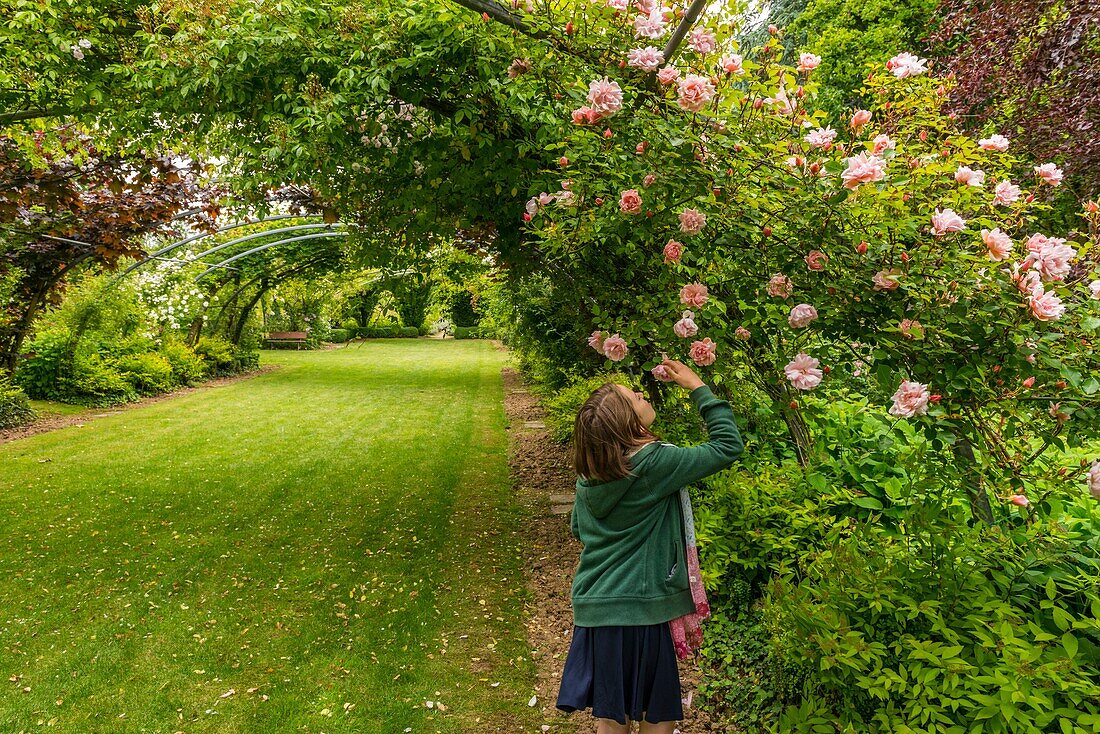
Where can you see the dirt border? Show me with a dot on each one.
(47, 423)
(541, 467)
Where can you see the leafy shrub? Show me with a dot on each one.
(465, 332)
(92, 380)
(15, 409)
(39, 372)
(218, 354)
(423, 330)
(410, 332)
(338, 336)
(946, 628)
(149, 373)
(349, 325)
(187, 366)
(245, 359)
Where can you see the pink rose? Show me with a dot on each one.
(743, 333)
(581, 115)
(1050, 256)
(1094, 289)
(910, 400)
(692, 221)
(702, 353)
(969, 177)
(863, 169)
(998, 143)
(1006, 193)
(685, 327)
(1094, 480)
(783, 104)
(630, 202)
(1030, 282)
(661, 373)
(1046, 306)
(650, 26)
(947, 221)
(1049, 174)
(1055, 409)
(694, 92)
(606, 97)
(808, 62)
(668, 75)
(647, 59)
(882, 143)
(694, 295)
(886, 280)
(822, 137)
(906, 65)
(816, 260)
(780, 286)
(618, 4)
(998, 243)
(860, 118)
(702, 42)
(732, 64)
(648, 180)
(673, 252)
(1029, 383)
(596, 341)
(802, 316)
(911, 329)
(614, 348)
(802, 372)
(1019, 500)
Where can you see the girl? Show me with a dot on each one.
(632, 576)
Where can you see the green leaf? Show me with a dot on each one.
(869, 502)
(1069, 642)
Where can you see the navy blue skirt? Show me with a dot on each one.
(622, 673)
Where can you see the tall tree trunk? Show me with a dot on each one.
(243, 316)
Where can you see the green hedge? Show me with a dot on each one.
(338, 336)
(410, 332)
(15, 409)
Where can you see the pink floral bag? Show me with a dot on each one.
(687, 631)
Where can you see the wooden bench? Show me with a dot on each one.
(297, 338)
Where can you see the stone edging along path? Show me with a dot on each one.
(48, 423)
(544, 485)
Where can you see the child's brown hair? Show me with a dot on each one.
(605, 431)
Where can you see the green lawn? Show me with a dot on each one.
(323, 548)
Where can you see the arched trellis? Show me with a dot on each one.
(266, 246)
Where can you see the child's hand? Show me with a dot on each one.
(681, 374)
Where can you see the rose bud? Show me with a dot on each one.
(767, 231)
(757, 103)
(1062, 472)
(1019, 500)
(905, 257)
(861, 248)
(737, 148)
(923, 135)
(1061, 384)
(563, 161)
(998, 382)
(649, 213)
(888, 105)
(526, 217)
(773, 29)
(641, 147)
(935, 398)
(599, 201)
(831, 291)
(800, 92)
(996, 368)
(557, 95)
(952, 115)
(1092, 207)
(1030, 198)
(793, 405)
(607, 132)
(485, 17)
(826, 369)
(622, 64)
(815, 167)
(1029, 382)
(905, 196)
(569, 28)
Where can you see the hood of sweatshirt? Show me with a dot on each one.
(602, 497)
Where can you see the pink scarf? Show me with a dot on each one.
(687, 632)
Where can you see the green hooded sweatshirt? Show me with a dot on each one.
(632, 569)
